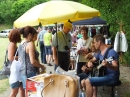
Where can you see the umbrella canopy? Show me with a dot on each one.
(92, 21)
(55, 12)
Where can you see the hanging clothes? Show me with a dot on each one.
(105, 30)
(120, 43)
(93, 32)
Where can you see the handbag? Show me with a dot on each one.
(58, 85)
(6, 66)
(15, 70)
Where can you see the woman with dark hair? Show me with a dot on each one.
(28, 54)
(16, 85)
(83, 46)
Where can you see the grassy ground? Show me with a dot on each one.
(4, 84)
(5, 26)
(3, 45)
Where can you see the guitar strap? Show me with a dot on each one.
(106, 53)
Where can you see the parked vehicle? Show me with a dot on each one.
(5, 33)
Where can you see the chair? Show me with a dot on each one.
(113, 87)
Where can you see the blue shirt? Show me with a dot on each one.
(41, 34)
(111, 53)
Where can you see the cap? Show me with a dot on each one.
(50, 28)
(68, 25)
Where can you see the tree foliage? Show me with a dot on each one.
(12, 9)
(5, 11)
(114, 11)
(21, 6)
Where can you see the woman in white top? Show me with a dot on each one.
(14, 38)
(83, 47)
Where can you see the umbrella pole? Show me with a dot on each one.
(57, 43)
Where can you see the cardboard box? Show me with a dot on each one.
(34, 85)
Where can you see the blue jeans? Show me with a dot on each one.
(24, 77)
(42, 50)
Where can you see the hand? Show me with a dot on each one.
(84, 51)
(43, 67)
(84, 68)
(88, 56)
(90, 64)
(105, 63)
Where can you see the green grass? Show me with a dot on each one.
(3, 46)
(4, 84)
(5, 26)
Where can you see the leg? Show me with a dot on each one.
(44, 55)
(21, 91)
(94, 91)
(89, 88)
(49, 58)
(14, 92)
(49, 54)
(83, 84)
(15, 88)
(41, 50)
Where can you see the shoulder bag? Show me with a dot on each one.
(6, 65)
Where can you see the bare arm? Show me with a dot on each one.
(31, 51)
(11, 51)
(55, 55)
(90, 62)
(114, 65)
(37, 41)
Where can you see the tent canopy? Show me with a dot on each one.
(92, 21)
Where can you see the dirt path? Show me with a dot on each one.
(124, 89)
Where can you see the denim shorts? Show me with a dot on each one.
(104, 80)
(83, 76)
(16, 85)
(24, 77)
(48, 50)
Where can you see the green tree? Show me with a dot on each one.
(5, 11)
(12, 9)
(114, 11)
(21, 6)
